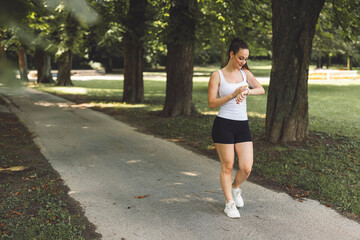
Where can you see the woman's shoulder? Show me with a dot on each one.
(247, 72)
(215, 77)
(215, 74)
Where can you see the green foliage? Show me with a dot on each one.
(155, 40)
(182, 21)
(13, 12)
(104, 39)
(42, 22)
(326, 35)
(51, 26)
(69, 33)
(17, 25)
(112, 37)
(81, 9)
(221, 21)
(347, 15)
(331, 39)
(45, 23)
(110, 11)
(135, 22)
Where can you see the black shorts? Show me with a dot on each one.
(230, 131)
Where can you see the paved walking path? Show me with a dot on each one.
(107, 164)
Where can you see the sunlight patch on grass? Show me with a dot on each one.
(69, 90)
(261, 67)
(256, 114)
(210, 112)
(338, 82)
(115, 105)
(201, 79)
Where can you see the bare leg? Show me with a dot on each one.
(226, 154)
(245, 155)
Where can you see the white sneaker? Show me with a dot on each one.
(239, 201)
(231, 210)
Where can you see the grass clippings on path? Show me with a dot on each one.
(34, 203)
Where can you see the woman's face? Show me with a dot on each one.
(240, 57)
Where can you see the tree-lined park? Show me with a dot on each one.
(306, 130)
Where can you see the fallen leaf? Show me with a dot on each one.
(176, 140)
(226, 229)
(328, 205)
(142, 196)
(17, 168)
(15, 212)
(14, 169)
(210, 191)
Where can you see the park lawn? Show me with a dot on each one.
(34, 203)
(325, 167)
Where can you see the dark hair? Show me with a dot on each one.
(235, 46)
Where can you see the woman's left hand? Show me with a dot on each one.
(241, 96)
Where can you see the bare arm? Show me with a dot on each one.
(256, 88)
(213, 89)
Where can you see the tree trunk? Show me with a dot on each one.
(224, 55)
(318, 62)
(23, 64)
(328, 62)
(133, 53)
(179, 75)
(43, 66)
(321, 61)
(108, 65)
(349, 65)
(2, 52)
(180, 58)
(133, 74)
(64, 72)
(287, 106)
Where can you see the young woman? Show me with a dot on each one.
(230, 131)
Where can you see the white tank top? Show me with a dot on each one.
(232, 110)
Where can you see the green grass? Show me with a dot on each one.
(335, 109)
(325, 167)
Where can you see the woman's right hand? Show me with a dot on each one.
(241, 96)
(238, 91)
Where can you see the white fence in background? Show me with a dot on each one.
(325, 74)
